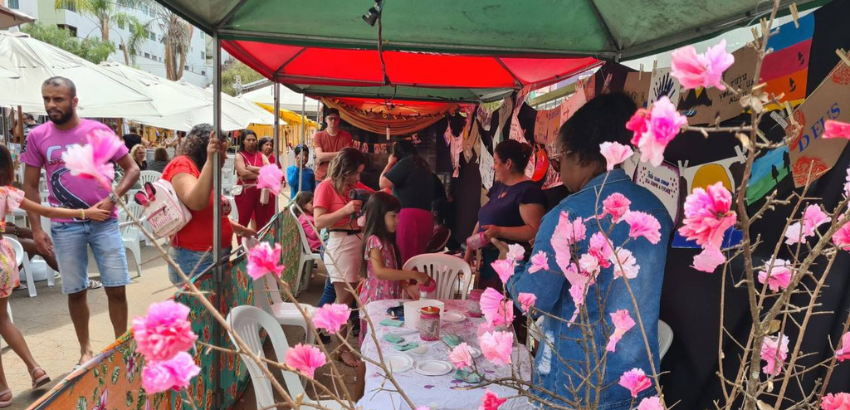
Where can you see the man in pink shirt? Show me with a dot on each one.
(43, 149)
(328, 142)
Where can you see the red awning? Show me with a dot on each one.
(358, 68)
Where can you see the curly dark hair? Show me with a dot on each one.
(518, 152)
(602, 119)
(195, 146)
(345, 163)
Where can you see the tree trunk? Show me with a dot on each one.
(104, 27)
(126, 53)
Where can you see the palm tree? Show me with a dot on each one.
(177, 34)
(105, 13)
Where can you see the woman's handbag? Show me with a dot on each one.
(164, 211)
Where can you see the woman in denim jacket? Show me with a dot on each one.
(561, 364)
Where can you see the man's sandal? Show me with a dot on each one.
(41, 381)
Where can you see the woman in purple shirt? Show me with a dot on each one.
(514, 210)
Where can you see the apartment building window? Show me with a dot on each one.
(13, 4)
(120, 24)
(203, 35)
(144, 8)
(153, 36)
(185, 67)
(203, 55)
(147, 55)
(121, 47)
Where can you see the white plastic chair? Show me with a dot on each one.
(284, 312)
(306, 259)
(446, 270)
(149, 176)
(665, 339)
(130, 234)
(23, 262)
(247, 321)
(234, 212)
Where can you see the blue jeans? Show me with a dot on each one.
(192, 263)
(71, 240)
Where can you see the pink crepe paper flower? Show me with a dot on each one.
(615, 153)
(625, 264)
(837, 401)
(622, 323)
(460, 356)
(600, 248)
(305, 358)
(262, 260)
(836, 129)
(708, 215)
(496, 309)
(774, 350)
(92, 161)
(491, 401)
(589, 265)
(843, 353)
(701, 70)
(780, 274)
(709, 259)
(615, 205)
(516, 252)
(331, 317)
(847, 183)
(643, 224)
(813, 217)
(176, 373)
(539, 262)
(572, 231)
(164, 332)
(635, 381)
(504, 268)
(650, 403)
(655, 128)
(526, 300)
(270, 178)
(841, 238)
(497, 347)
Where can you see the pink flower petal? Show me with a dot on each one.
(843, 353)
(504, 268)
(662, 124)
(496, 309)
(497, 347)
(176, 373)
(270, 178)
(164, 332)
(774, 350)
(650, 403)
(622, 323)
(331, 317)
(780, 275)
(539, 262)
(624, 263)
(836, 129)
(93, 159)
(837, 401)
(526, 300)
(841, 238)
(615, 205)
(491, 401)
(304, 358)
(643, 224)
(263, 260)
(635, 381)
(460, 356)
(708, 260)
(615, 153)
(516, 252)
(708, 215)
(600, 248)
(701, 70)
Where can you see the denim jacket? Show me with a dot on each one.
(554, 371)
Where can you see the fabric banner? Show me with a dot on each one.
(378, 123)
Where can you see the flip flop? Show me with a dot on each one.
(6, 403)
(41, 381)
(95, 284)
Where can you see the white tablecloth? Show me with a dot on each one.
(437, 392)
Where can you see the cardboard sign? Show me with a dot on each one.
(572, 104)
(637, 87)
(663, 84)
(809, 153)
(541, 126)
(703, 106)
(663, 181)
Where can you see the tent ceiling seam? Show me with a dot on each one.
(248, 55)
(291, 59)
(605, 27)
(516, 80)
(229, 16)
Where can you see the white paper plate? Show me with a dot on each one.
(433, 367)
(398, 363)
(475, 353)
(454, 317)
(420, 350)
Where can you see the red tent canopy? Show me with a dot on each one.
(357, 68)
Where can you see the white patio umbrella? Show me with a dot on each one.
(233, 115)
(7, 74)
(261, 116)
(101, 93)
(169, 97)
(12, 18)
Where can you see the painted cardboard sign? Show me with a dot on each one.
(663, 84)
(637, 87)
(705, 106)
(663, 181)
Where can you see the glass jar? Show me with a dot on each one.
(475, 302)
(429, 323)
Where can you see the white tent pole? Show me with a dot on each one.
(303, 129)
(216, 156)
(276, 134)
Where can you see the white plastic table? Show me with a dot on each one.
(437, 392)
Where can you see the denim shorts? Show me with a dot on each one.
(192, 263)
(70, 244)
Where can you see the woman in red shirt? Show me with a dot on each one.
(248, 162)
(191, 246)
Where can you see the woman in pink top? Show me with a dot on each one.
(248, 162)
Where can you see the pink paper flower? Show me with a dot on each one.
(176, 373)
(615, 153)
(539, 262)
(497, 347)
(615, 205)
(164, 332)
(504, 268)
(262, 260)
(491, 401)
(774, 350)
(304, 358)
(837, 401)
(92, 161)
(516, 252)
(847, 183)
(843, 353)
(813, 217)
(460, 356)
(836, 129)
(643, 224)
(654, 129)
(709, 259)
(600, 248)
(331, 317)
(650, 403)
(780, 275)
(622, 323)
(589, 265)
(627, 265)
(570, 231)
(270, 178)
(701, 70)
(526, 300)
(635, 381)
(841, 238)
(496, 309)
(708, 215)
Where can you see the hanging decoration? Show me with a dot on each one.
(399, 117)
